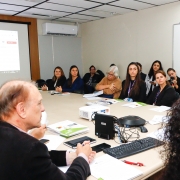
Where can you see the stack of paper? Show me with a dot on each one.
(94, 94)
(159, 134)
(134, 104)
(159, 119)
(68, 128)
(108, 168)
(160, 108)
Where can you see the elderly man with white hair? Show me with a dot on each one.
(111, 84)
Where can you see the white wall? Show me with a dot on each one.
(142, 36)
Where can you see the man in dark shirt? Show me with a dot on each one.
(143, 76)
(90, 80)
(174, 79)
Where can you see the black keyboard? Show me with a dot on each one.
(134, 147)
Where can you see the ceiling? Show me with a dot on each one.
(75, 10)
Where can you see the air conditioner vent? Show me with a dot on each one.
(59, 29)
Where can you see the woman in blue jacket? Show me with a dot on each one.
(74, 83)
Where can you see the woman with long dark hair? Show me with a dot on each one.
(163, 94)
(74, 83)
(150, 78)
(171, 152)
(57, 80)
(133, 87)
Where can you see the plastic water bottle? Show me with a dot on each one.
(128, 99)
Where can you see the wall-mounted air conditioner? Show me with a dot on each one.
(59, 29)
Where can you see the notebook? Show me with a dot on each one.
(68, 128)
(101, 168)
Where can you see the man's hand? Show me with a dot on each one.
(93, 153)
(86, 149)
(174, 82)
(38, 133)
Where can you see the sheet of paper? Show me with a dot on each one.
(93, 98)
(133, 104)
(159, 119)
(64, 94)
(160, 108)
(110, 101)
(44, 118)
(94, 94)
(54, 141)
(159, 134)
(101, 167)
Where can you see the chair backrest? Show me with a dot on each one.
(40, 82)
(101, 74)
(79, 91)
(48, 81)
(177, 95)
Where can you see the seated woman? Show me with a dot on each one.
(133, 87)
(57, 80)
(171, 153)
(74, 83)
(150, 78)
(163, 94)
(111, 85)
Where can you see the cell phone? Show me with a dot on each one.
(73, 143)
(100, 147)
(44, 141)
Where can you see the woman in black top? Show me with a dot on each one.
(150, 78)
(133, 87)
(163, 94)
(170, 152)
(57, 80)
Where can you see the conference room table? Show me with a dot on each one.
(66, 107)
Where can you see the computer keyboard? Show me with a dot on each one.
(134, 147)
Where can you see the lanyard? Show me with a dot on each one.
(55, 83)
(156, 97)
(130, 87)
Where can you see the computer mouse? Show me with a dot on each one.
(143, 129)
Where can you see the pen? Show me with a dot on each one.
(133, 163)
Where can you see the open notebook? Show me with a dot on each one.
(106, 167)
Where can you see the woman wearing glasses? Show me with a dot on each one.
(111, 84)
(133, 88)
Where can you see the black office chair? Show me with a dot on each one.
(40, 82)
(101, 74)
(79, 91)
(48, 82)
